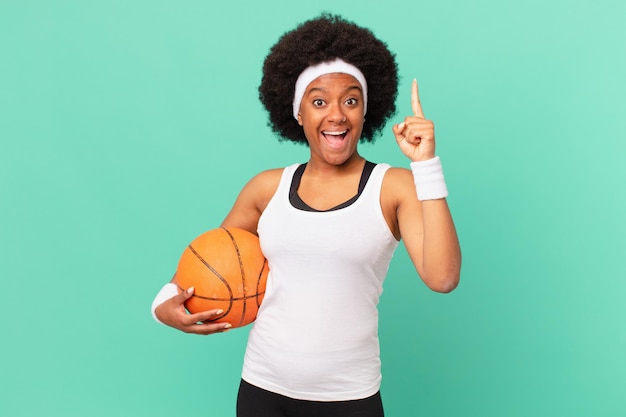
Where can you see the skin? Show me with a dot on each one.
(333, 103)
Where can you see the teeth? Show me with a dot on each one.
(335, 133)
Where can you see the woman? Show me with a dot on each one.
(329, 227)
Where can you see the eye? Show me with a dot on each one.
(351, 102)
(318, 102)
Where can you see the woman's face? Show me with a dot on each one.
(331, 114)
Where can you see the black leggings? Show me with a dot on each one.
(256, 402)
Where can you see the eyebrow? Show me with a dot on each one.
(314, 89)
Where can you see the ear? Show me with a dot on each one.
(299, 119)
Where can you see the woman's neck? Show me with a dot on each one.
(319, 168)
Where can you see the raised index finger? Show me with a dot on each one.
(415, 101)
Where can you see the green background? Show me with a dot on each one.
(128, 127)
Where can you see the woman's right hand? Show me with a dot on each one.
(172, 313)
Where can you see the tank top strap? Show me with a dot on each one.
(298, 203)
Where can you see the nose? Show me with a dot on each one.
(336, 114)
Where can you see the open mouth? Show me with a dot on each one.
(335, 137)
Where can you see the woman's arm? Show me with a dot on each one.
(168, 306)
(423, 218)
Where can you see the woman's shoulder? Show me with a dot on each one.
(253, 199)
(271, 177)
(265, 182)
(271, 174)
(398, 183)
(398, 176)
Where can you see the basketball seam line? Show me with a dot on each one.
(243, 275)
(217, 274)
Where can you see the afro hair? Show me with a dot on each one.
(323, 39)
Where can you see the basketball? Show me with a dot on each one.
(228, 271)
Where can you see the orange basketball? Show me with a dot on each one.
(227, 270)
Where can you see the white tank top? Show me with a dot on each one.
(316, 334)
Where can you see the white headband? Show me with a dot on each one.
(314, 71)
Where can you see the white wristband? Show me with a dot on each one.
(168, 291)
(428, 179)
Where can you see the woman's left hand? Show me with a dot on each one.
(416, 135)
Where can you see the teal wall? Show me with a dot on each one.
(128, 127)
